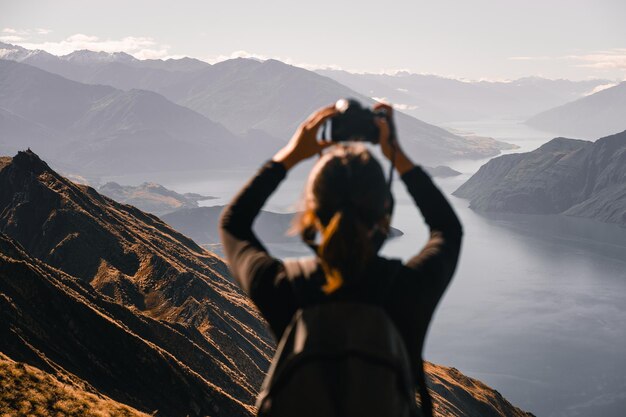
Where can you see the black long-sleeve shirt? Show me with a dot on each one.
(417, 285)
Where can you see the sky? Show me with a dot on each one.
(482, 39)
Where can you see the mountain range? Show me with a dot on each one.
(249, 98)
(597, 115)
(99, 299)
(95, 129)
(564, 176)
(443, 100)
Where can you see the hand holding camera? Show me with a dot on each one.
(354, 123)
(304, 144)
(345, 121)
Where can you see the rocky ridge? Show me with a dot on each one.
(134, 260)
(564, 176)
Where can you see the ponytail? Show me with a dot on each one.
(344, 250)
(346, 197)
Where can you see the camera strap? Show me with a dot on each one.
(394, 147)
(378, 237)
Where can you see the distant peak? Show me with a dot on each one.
(273, 61)
(617, 138)
(86, 56)
(238, 62)
(563, 144)
(9, 46)
(245, 59)
(29, 161)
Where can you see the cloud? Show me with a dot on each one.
(614, 59)
(404, 107)
(26, 32)
(139, 46)
(397, 106)
(11, 38)
(530, 58)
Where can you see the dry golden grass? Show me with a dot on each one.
(29, 392)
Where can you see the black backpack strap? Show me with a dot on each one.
(420, 374)
(299, 272)
(382, 293)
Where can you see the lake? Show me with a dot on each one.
(537, 308)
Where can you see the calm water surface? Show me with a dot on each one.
(537, 308)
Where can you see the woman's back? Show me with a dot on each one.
(342, 353)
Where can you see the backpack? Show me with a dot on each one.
(340, 359)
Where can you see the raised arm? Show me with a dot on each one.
(260, 275)
(246, 255)
(437, 260)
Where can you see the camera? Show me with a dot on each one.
(353, 123)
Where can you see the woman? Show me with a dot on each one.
(348, 203)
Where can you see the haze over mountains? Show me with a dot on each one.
(564, 176)
(598, 115)
(98, 129)
(437, 99)
(111, 301)
(263, 102)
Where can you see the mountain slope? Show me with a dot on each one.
(594, 116)
(573, 177)
(275, 97)
(98, 129)
(141, 263)
(456, 395)
(61, 325)
(18, 130)
(26, 390)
